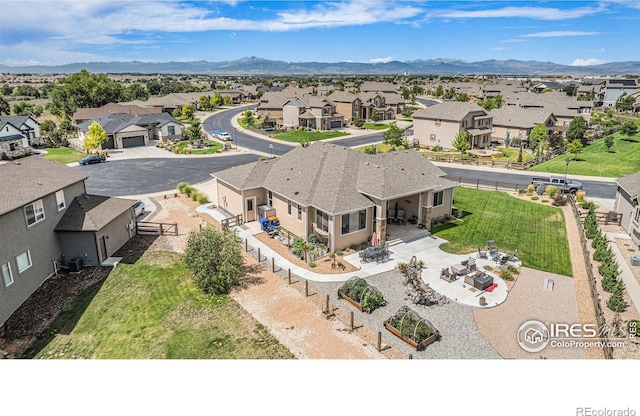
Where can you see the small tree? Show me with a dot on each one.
(248, 118)
(575, 147)
(393, 135)
(214, 258)
(194, 133)
(95, 136)
(608, 142)
(188, 110)
(461, 143)
(577, 129)
(539, 134)
(375, 116)
(520, 155)
(616, 301)
(629, 129)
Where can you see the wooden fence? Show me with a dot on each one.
(156, 228)
(231, 222)
(606, 348)
(605, 218)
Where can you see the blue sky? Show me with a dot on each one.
(566, 32)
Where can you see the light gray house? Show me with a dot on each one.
(13, 143)
(47, 220)
(27, 126)
(628, 204)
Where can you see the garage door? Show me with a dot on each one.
(336, 124)
(108, 144)
(133, 141)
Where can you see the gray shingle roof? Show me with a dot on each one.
(11, 137)
(113, 123)
(15, 121)
(92, 212)
(455, 111)
(338, 179)
(31, 178)
(631, 184)
(512, 116)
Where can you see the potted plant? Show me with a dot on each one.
(483, 301)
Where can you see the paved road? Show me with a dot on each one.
(152, 175)
(594, 189)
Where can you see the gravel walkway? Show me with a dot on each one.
(459, 335)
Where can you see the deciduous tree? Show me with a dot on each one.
(461, 142)
(577, 129)
(394, 135)
(629, 129)
(94, 137)
(575, 147)
(539, 134)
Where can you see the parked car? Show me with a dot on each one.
(224, 136)
(138, 208)
(570, 186)
(92, 159)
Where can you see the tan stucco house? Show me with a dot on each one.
(513, 125)
(439, 124)
(337, 193)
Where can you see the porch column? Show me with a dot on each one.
(381, 223)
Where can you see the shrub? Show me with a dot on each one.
(358, 122)
(487, 267)
(551, 191)
(506, 275)
(588, 205)
(372, 300)
(535, 198)
(580, 196)
(181, 186)
(437, 148)
(202, 199)
(559, 200)
(512, 269)
(312, 238)
(339, 253)
(214, 259)
(521, 191)
(188, 189)
(312, 265)
(194, 195)
(531, 189)
(616, 301)
(298, 246)
(544, 201)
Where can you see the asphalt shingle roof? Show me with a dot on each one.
(113, 123)
(631, 184)
(513, 116)
(31, 178)
(92, 212)
(455, 111)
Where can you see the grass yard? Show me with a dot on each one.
(510, 154)
(537, 231)
(150, 309)
(375, 126)
(296, 136)
(213, 147)
(595, 161)
(64, 154)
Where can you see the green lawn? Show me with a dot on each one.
(375, 126)
(510, 154)
(537, 231)
(64, 154)
(213, 147)
(150, 309)
(312, 136)
(595, 161)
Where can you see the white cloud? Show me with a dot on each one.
(536, 13)
(381, 60)
(587, 62)
(558, 34)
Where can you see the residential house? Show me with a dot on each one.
(27, 126)
(512, 125)
(85, 114)
(628, 204)
(563, 107)
(47, 220)
(13, 143)
(616, 88)
(339, 194)
(379, 87)
(311, 112)
(546, 86)
(127, 130)
(439, 124)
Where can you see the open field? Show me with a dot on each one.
(537, 231)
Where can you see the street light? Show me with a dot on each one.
(271, 149)
(235, 133)
(566, 170)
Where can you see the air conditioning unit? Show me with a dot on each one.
(75, 265)
(635, 260)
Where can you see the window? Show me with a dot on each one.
(7, 276)
(60, 200)
(24, 261)
(171, 130)
(249, 204)
(354, 221)
(289, 208)
(12, 147)
(437, 198)
(269, 198)
(636, 216)
(34, 212)
(438, 122)
(299, 213)
(322, 221)
(432, 137)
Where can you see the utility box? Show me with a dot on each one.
(75, 265)
(266, 211)
(635, 260)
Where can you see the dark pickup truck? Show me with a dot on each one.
(558, 181)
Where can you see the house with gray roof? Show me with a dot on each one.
(28, 126)
(513, 125)
(628, 204)
(85, 114)
(13, 143)
(439, 124)
(339, 194)
(311, 112)
(128, 130)
(47, 220)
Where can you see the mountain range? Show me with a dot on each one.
(260, 66)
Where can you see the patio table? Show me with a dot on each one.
(459, 269)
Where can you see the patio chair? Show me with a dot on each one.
(513, 256)
(446, 275)
(492, 247)
(481, 253)
(471, 265)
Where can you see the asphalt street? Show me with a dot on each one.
(153, 175)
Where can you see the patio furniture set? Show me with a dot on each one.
(379, 254)
(501, 260)
(478, 279)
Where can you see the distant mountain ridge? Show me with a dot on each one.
(260, 66)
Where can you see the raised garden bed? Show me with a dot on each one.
(362, 296)
(411, 328)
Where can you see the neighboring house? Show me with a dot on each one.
(628, 204)
(43, 212)
(547, 85)
(513, 125)
(616, 88)
(271, 105)
(311, 112)
(337, 193)
(563, 107)
(127, 130)
(439, 124)
(13, 143)
(380, 87)
(347, 104)
(636, 98)
(85, 114)
(27, 126)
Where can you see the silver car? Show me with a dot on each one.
(138, 208)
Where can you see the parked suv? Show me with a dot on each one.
(138, 208)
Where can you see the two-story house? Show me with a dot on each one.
(311, 112)
(48, 220)
(513, 125)
(628, 204)
(439, 124)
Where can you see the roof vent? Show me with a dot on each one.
(377, 166)
(366, 164)
(296, 193)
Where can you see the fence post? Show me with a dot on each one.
(411, 356)
(306, 288)
(477, 183)
(496, 186)
(258, 254)
(352, 326)
(273, 265)
(327, 303)
(289, 276)
(246, 244)
(161, 230)
(379, 341)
